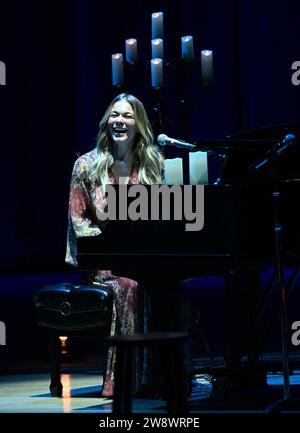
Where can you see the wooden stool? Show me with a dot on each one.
(169, 345)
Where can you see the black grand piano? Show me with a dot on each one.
(237, 240)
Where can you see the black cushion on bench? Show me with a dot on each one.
(74, 307)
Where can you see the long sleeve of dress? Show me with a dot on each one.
(80, 219)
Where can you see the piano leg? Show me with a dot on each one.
(167, 312)
(242, 300)
(168, 305)
(256, 374)
(232, 298)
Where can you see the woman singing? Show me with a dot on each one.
(125, 153)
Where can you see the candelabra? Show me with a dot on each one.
(131, 73)
(160, 77)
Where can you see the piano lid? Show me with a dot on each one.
(242, 150)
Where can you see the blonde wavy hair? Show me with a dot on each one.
(147, 158)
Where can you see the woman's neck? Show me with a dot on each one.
(122, 166)
(123, 156)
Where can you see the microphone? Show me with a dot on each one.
(274, 152)
(164, 140)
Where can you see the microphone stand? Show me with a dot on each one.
(277, 227)
(283, 306)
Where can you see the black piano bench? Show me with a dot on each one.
(169, 347)
(71, 310)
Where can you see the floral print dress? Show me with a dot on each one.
(85, 198)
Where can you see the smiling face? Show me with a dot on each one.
(121, 123)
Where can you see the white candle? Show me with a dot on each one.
(2, 74)
(157, 25)
(198, 168)
(157, 46)
(131, 50)
(117, 68)
(173, 171)
(157, 72)
(187, 47)
(207, 66)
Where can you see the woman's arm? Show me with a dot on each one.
(80, 222)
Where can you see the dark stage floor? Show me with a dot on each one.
(26, 391)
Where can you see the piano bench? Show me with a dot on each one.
(169, 347)
(71, 310)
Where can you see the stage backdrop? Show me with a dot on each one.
(57, 58)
